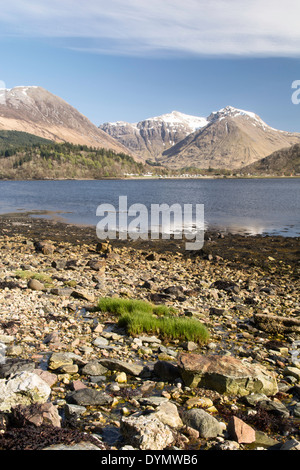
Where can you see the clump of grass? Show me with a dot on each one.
(23, 274)
(139, 316)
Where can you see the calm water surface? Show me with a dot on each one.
(252, 206)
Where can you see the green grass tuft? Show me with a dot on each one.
(139, 317)
(23, 274)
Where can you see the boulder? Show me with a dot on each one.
(226, 374)
(203, 422)
(23, 388)
(146, 432)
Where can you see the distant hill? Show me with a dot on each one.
(15, 139)
(65, 161)
(34, 110)
(285, 162)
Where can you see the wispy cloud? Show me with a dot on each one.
(174, 27)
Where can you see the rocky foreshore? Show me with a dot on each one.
(72, 378)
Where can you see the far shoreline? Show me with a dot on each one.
(132, 178)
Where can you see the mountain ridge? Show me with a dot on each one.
(228, 138)
(34, 110)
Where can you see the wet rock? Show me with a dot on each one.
(291, 444)
(275, 407)
(226, 374)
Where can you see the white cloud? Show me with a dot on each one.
(143, 27)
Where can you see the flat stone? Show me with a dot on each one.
(58, 360)
(101, 342)
(226, 374)
(129, 368)
(152, 401)
(89, 396)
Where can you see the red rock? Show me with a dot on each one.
(240, 432)
(78, 385)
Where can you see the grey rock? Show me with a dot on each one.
(203, 422)
(88, 396)
(101, 342)
(74, 410)
(15, 366)
(291, 444)
(275, 407)
(94, 368)
(121, 366)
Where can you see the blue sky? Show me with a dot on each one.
(116, 60)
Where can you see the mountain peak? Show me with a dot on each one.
(230, 111)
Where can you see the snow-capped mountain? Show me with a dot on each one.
(229, 138)
(35, 110)
(149, 138)
(233, 138)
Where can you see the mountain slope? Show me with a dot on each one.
(283, 162)
(64, 161)
(9, 140)
(149, 138)
(232, 139)
(37, 111)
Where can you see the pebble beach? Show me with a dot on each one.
(71, 377)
